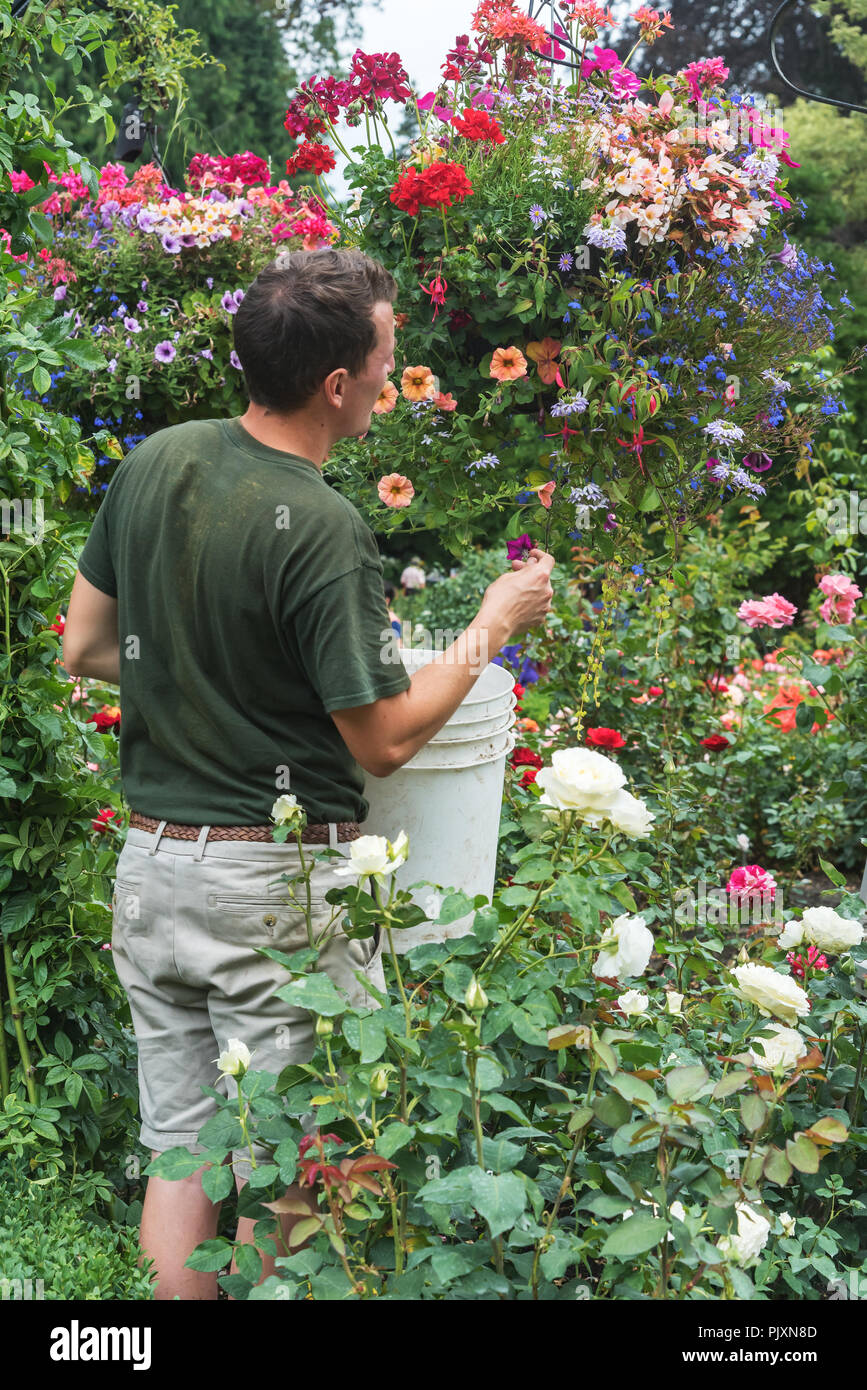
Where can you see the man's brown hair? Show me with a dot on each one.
(305, 315)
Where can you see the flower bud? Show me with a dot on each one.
(324, 1027)
(475, 998)
(379, 1082)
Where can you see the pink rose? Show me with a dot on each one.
(751, 882)
(771, 611)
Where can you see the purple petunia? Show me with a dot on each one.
(519, 549)
(146, 221)
(164, 351)
(132, 325)
(60, 292)
(228, 303)
(235, 360)
(207, 354)
(171, 244)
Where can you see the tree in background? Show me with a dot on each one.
(229, 67)
(814, 50)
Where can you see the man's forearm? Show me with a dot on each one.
(442, 684)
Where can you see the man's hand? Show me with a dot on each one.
(523, 598)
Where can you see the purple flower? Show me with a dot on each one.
(758, 461)
(146, 221)
(210, 282)
(188, 239)
(519, 549)
(239, 297)
(171, 244)
(228, 303)
(788, 257)
(566, 261)
(132, 325)
(142, 306)
(610, 522)
(60, 292)
(207, 354)
(94, 241)
(164, 351)
(605, 238)
(112, 365)
(537, 215)
(235, 360)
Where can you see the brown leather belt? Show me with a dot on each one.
(311, 834)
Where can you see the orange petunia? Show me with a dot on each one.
(395, 490)
(386, 400)
(507, 364)
(417, 384)
(444, 400)
(544, 355)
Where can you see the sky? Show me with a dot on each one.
(421, 31)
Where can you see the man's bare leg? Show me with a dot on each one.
(177, 1216)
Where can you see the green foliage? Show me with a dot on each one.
(59, 1253)
(62, 1011)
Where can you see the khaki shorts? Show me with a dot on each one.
(187, 917)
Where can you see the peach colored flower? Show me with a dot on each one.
(386, 400)
(395, 490)
(544, 494)
(444, 400)
(401, 320)
(417, 384)
(529, 726)
(507, 364)
(544, 354)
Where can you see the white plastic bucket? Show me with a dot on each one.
(448, 799)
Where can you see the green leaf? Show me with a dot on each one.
(314, 992)
(394, 1137)
(838, 879)
(635, 1235)
(499, 1198)
(455, 905)
(777, 1167)
(828, 1131)
(632, 1088)
(174, 1164)
(456, 979)
(217, 1182)
(41, 380)
(211, 1256)
(684, 1083)
(727, 1085)
(249, 1262)
(803, 1154)
(82, 352)
(366, 1035)
(804, 716)
(753, 1112)
(17, 912)
(611, 1110)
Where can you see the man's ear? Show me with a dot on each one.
(335, 386)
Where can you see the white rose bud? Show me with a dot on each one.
(751, 1239)
(235, 1060)
(626, 948)
(475, 998)
(787, 1222)
(632, 1002)
(673, 1002)
(791, 936)
(287, 810)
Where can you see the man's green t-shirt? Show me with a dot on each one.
(250, 605)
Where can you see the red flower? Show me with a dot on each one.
(716, 742)
(378, 77)
(605, 738)
(437, 291)
(311, 155)
(655, 690)
(103, 818)
(433, 187)
(526, 757)
(58, 625)
(478, 125)
(528, 776)
(106, 718)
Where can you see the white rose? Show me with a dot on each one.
(781, 1051)
(791, 936)
(235, 1060)
(633, 1002)
(625, 949)
(287, 810)
(743, 841)
(673, 1002)
(751, 1238)
(787, 1222)
(629, 815)
(771, 992)
(828, 931)
(581, 780)
(373, 856)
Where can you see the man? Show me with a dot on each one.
(238, 601)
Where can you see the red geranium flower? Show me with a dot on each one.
(433, 187)
(311, 155)
(478, 125)
(103, 818)
(716, 742)
(605, 738)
